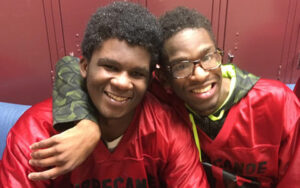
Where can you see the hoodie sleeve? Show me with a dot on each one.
(71, 102)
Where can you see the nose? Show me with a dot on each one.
(199, 74)
(122, 81)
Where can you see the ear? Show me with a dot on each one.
(83, 67)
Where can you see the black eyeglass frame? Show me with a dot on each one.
(198, 61)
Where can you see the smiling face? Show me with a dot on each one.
(203, 90)
(117, 78)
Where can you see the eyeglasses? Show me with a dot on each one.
(185, 68)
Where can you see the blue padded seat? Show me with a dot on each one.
(9, 114)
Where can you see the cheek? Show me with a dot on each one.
(141, 87)
(218, 72)
(98, 76)
(91, 83)
(178, 86)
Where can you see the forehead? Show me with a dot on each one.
(122, 52)
(188, 43)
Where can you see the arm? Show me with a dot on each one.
(289, 151)
(70, 148)
(184, 168)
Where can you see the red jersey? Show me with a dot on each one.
(155, 151)
(258, 144)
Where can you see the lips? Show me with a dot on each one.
(202, 90)
(117, 98)
(205, 92)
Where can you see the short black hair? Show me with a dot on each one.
(180, 18)
(125, 21)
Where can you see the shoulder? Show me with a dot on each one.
(34, 125)
(40, 112)
(271, 92)
(162, 119)
(271, 87)
(271, 102)
(160, 111)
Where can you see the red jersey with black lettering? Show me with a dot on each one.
(258, 144)
(156, 150)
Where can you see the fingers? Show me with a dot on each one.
(44, 143)
(48, 162)
(45, 153)
(48, 174)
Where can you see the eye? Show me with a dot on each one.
(109, 67)
(137, 74)
(180, 66)
(207, 57)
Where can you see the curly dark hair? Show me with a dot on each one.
(125, 21)
(181, 18)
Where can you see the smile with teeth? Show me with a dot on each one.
(202, 90)
(117, 98)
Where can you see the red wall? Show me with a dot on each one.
(263, 36)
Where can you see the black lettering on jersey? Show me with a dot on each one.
(118, 181)
(95, 183)
(151, 180)
(250, 168)
(218, 162)
(129, 183)
(106, 183)
(227, 165)
(141, 183)
(238, 168)
(234, 174)
(85, 184)
(262, 167)
(113, 183)
(241, 168)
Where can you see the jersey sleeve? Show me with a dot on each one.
(71, 102)
(184, 168)
(289, 151)
(15, 166)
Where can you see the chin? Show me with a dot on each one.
(206, 109)
(112, 114)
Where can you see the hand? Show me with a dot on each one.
(65, 151)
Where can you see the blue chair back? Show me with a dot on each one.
(9, 114)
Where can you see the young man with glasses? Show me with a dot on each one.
(246, 128)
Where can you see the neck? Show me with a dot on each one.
(112, 128)
(225, 89)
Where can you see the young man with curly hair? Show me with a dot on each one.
(144, 143)
(246, 128)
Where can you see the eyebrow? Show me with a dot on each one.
(142, 70)
(113, 62)
(107, 60)
(203, 51)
